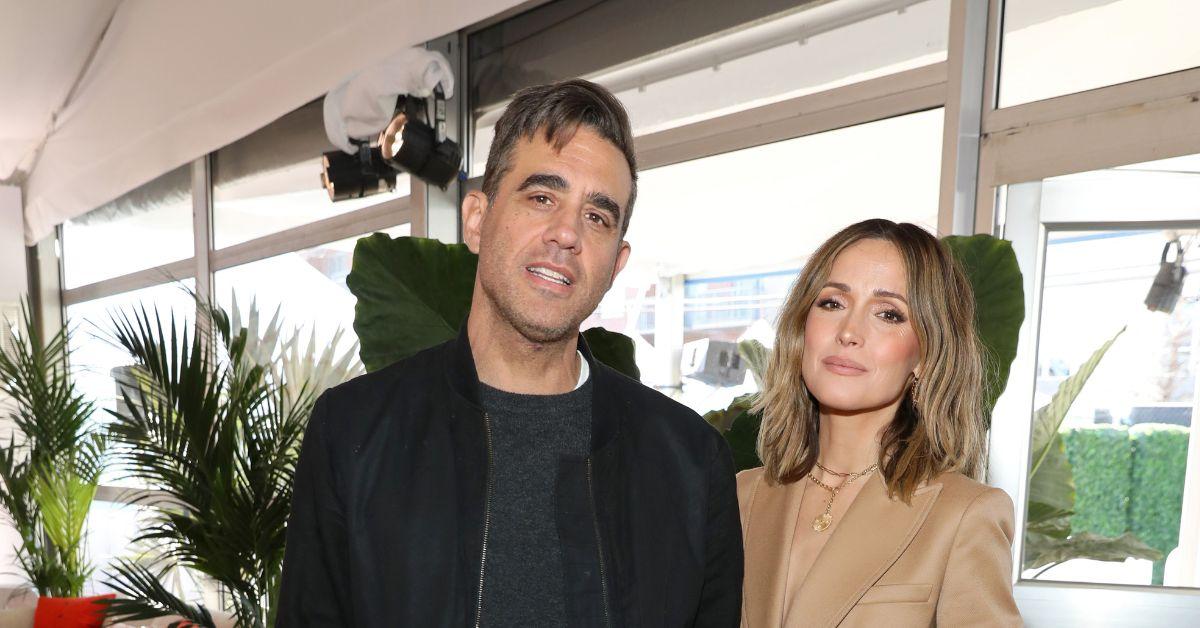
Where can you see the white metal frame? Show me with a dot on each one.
(1144, 120)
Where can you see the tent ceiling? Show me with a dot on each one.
(103, 96)
(44, 47)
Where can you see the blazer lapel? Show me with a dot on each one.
(769, 532)
(873, 535)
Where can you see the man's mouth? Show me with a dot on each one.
(549, 275)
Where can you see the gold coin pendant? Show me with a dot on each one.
(821, 523)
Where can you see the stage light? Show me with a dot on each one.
(355, 176)
(1168, 283)
(406, 144)
(411, 145)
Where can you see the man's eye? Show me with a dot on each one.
(541, 199)
(597, 218)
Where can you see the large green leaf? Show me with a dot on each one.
(1049, 418)
(413, 293)
(1042, 551)
(743, 441)
(992, 268)
(723, 419)
(614, 349)
(1053, 484)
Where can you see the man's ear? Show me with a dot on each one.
(622, 257)
(474, 207)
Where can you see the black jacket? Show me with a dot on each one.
(388, 522)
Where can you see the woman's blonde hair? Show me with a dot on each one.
(944, 430)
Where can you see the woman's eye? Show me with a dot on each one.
(892, 316)
(828, 304)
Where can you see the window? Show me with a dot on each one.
(307, 287)
(1056, 47)
(798, 52)
(1128, 462)
(147, 227)
(718, 241)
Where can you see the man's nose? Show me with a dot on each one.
(563, 230)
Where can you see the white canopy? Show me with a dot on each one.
(103, 96)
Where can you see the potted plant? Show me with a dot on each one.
(51, 465)
(213, 422)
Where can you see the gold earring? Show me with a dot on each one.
(914, 389)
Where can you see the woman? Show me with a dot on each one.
(867, 510)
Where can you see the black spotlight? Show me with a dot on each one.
(355, 176)
(407, 144)
(1168, 283)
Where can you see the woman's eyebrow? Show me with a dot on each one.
(879, 292)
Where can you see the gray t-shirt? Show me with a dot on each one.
(523, 576)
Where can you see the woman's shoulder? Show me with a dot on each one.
(962, 494)
(748, 482)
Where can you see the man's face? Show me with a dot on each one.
(550, 243)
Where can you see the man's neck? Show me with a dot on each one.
(508, 361)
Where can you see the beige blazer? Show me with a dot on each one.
(944, 560)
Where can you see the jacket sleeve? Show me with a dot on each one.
(977, 589)
(721, 598)
(315, 576)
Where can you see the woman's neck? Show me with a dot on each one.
(849, 442)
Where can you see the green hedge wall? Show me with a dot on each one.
(1129, 480)
(1102, 463)
(1156, 498)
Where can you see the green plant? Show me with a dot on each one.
(1156, 498)
(1101, 462)
(52, 462)
(1049, 537)
(990, 265)
(214, 424)
(414, 293)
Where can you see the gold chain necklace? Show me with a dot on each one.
(822, 522)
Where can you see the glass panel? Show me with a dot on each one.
(1056, 47)
(712, 263)
(156, 218)
(308, 287)
(1125, 461)
(1126, 435)
(801, 52)
(95, 356)
(270, 181)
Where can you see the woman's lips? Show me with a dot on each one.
(843, 366)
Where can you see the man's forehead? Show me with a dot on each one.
(587, 159)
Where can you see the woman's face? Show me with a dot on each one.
(860, 347)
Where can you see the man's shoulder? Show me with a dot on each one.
(404, 377)
(653, 409)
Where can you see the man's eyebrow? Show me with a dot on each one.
(545, 180)
(605, 203)
(879, 292)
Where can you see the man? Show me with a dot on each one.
(506, 478)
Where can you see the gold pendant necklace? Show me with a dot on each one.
(825, 519)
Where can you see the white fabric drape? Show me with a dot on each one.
(172, 81)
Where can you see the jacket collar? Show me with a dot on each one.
(875, 532)
(606, 410)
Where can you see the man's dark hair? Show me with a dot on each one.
(558, 110)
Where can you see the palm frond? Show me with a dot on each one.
(142, 596)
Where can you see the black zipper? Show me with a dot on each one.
(487, 520)
(599, 546)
